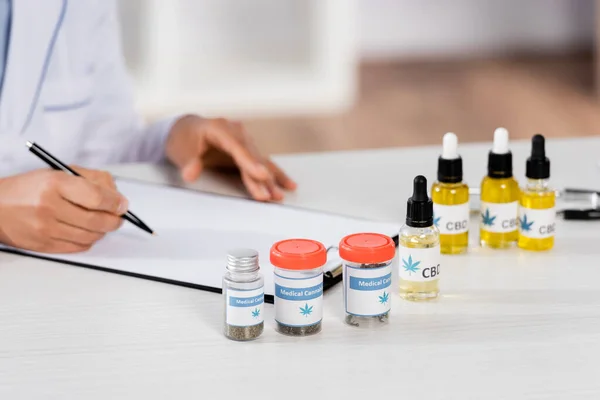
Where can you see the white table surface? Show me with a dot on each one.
(509, 324)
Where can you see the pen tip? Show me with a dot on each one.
(28, 144)
(154, 234)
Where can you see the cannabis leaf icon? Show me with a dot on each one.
(409, 266)
(256, 313)
(306, 310)
(436, 221)
(383, 299)
(525, 225)
(487, 218)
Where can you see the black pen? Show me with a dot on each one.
(56, 164)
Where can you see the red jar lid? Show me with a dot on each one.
(298, 254)
(367, 248)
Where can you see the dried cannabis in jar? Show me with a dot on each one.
(367, 271)
(243, 294)
(298, 286)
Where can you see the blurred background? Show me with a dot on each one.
(316, 75)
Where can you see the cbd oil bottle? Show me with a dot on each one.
(499, 197)
(536, 211)
(419, 247)
(451, 200)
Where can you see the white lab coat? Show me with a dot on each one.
(66, 88)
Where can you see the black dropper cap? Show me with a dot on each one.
(500, 165)
(419, 207)
(450, 169)
(538, 165)
(500, 158)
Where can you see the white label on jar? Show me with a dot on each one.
(298, 301)
(244, 307)
(367, 290)
(537, 224)
(499, 217)
(451, 220)
(419, 265)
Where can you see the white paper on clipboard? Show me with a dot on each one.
(195, 230)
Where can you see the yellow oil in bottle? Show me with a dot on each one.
(413, 239)
(419, 247)
(452, 194)
(541, 199)
(536, 212)
(500, 196)
(499, 190)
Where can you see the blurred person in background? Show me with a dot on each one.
(64, 84)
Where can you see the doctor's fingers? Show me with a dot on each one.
(90, 196)
(96, 222)
(232, 139)
(281, 177)
(257, 190)
(276, 193)
(72, 234)
(60, 247)
(102, 178)
(276, 179)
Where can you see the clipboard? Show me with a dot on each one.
(195, 230)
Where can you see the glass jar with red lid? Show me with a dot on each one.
(367, 271)
(298, 285)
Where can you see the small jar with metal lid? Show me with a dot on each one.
(243, 294)
(367, 270)
(298, 286)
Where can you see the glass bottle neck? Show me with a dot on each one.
(537, 184)
(243, 276)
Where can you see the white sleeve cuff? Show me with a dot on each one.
(154, 140)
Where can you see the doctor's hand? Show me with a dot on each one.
(53, 212)
(196, 143)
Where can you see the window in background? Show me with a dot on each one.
(259, 58)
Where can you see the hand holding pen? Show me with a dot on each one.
(52, 212)
(56, 212)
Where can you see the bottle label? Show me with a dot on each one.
(244, 307)
(536, 223)
(367, 290)
(299, 301)
(419, 265)
(499, 217)
(451, 220)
